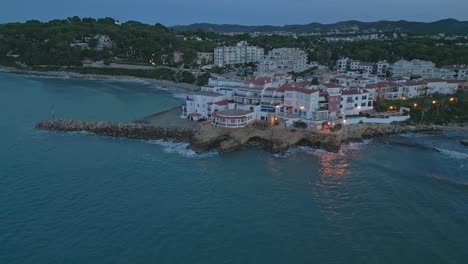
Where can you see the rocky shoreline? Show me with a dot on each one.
(206, 137)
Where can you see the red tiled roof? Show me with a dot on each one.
(292, 87)
(324, 94)
(332, 85)
(350, 92)
(435, 80)
(455, 81)
(413, 83)
(222, 103)
(259, 81)
(195, 114)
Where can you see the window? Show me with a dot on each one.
(355, 105)
(363, 104)
(364, 97)
(341, 98)
(369, 103)
(357, 98)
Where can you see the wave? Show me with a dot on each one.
(449, 181)
(356, 145)
(310, 151)
(45, 76)
(181, 149)
(416, 135)
(282, 155)
(453, 154)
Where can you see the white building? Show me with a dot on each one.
(382, 67)
(355, 65)
(300, 101)
(425, 69)
(355, 100)
(414, 89)
(200, 105)
(457, 72)
(342, 64)
(242, 53)
(283, 60)
(441, 86)
(233, 118)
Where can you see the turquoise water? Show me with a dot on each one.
(79, 198)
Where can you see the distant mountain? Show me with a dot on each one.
(447, 26)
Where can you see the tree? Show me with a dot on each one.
(315, 81)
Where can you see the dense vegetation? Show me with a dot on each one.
(56, 43)
(437, 109)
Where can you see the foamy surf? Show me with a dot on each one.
(453, 154)
(310, 151)
(181, 149)
(356, 145)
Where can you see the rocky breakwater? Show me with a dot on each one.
(117, 129)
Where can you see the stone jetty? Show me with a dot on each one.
(118, 129)
(205, 137)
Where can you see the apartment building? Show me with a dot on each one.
(242, 53)
(457, 72)
(283, 60)
(424, 69)
(354, 101)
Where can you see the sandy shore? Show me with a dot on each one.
(178, 87)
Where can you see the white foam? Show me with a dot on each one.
(453, 154)
(310, 151)
(356, 145)
(282, 155)
(180, 148)
(38, 76)
(415, 135)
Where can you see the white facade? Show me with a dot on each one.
(303, 102)
(342, 64)
(414, 89)
(382, 67)
(199, 105)
(239, 54)
(233, 118)
(283, 60)
(425, 69)
(456, 72)
(358, 65)
(441, 86)
(355, 101)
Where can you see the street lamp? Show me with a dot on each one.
(434, 102)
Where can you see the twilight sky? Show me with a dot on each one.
(246, 12)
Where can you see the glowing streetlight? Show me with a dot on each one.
(415, 105)
(452, 99)
(302, 108)
(434, 102)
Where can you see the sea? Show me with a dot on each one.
(81, 198)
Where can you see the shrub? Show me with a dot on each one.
(300, 124)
